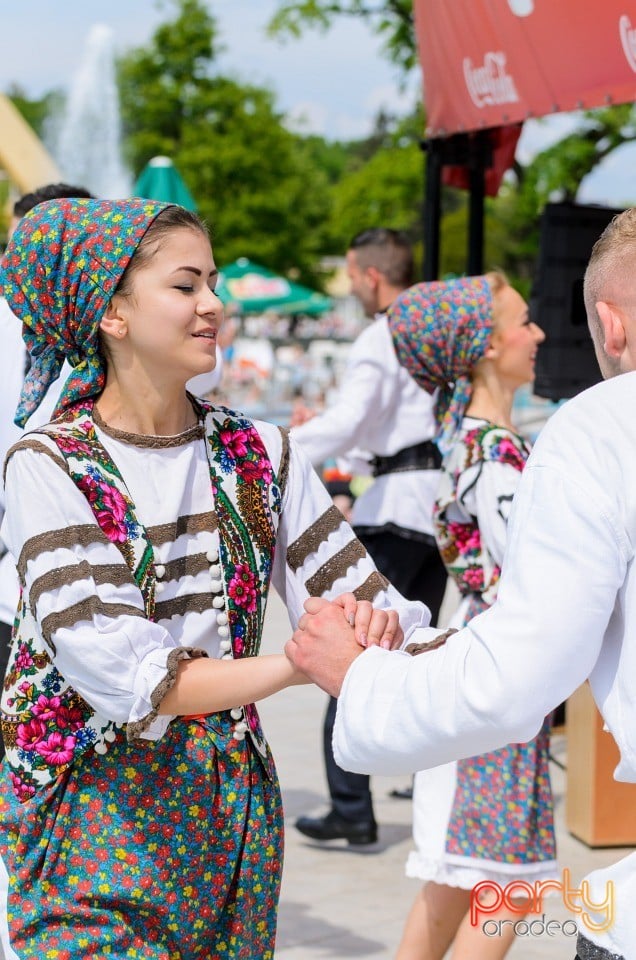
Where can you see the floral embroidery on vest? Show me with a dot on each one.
(45, 722)
(460, 544)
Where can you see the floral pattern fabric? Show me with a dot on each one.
(58, 275)
(440, 330)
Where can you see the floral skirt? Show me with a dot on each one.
(158, 850)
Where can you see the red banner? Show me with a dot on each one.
(488, 63)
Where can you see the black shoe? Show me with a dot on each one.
(334, 827)
(406, 793)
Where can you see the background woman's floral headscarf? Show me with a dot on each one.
(440, 330)
(58, 275)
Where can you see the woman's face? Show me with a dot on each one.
(172, 316)
(515, 339)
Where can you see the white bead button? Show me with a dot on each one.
(236, 713)
(101, 748)
(160, 571)
(216, 586)
(160, 586)
(222, 619)
(241, 727)
(218, 602)
(238, 736)
(227, 656)
(212, 556)
(215, 570)
(225, 645)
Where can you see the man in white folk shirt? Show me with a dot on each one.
(380, 409)
(565, 612)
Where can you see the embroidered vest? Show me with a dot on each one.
(46, 724)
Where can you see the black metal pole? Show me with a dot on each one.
(432, 209)
(477, 177)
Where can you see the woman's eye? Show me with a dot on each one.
(185, 288)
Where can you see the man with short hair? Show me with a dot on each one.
(565, 611)
(380, 409)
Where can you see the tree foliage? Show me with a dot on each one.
(252, 179)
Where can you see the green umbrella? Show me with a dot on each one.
(160, 180)
(255, 289)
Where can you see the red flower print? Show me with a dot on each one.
(57, 750)
(251, 471)
(114, 530)
(242, 588)
(29, 734)
(474, 578)
(235, 442)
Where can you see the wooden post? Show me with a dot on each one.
(599, 810)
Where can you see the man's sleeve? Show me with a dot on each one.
(493, 682)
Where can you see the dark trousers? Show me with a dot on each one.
(415, 568)
(5, 642)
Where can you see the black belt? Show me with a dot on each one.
(421, 456)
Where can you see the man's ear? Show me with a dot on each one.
(614, 338)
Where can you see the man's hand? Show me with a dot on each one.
(324, 645)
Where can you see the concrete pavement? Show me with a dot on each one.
(340, 902)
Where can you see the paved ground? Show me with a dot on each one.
(338, 903)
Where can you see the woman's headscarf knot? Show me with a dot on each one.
(440, 330)
(58, 275)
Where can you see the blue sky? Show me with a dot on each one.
(332, 83)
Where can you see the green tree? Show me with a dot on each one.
(254, 181)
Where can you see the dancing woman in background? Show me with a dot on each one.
(488, 817)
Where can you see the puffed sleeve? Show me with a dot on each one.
(319, 555)
(87, 606)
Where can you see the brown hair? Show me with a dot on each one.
(170, 219)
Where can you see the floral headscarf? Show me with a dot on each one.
(58, 275)
(440, 330)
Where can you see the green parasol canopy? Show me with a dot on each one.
(256, 289)
(160, 180)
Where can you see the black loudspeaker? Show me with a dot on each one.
(566, 363)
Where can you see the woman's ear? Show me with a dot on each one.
(614, 337)
(112, 322)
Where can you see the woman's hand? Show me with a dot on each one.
(371, 627)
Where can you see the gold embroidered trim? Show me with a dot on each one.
(196, 432)
(117, 574)
(80, 535)
(283, 466)
(313, 536)
(85, 610)
(135, 729)
(39, 447)
(179, 606)
(371, 587)
(185, 567)
(335, 567)
(416, 648)
(194, 523)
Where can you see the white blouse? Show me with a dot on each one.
(85, 599)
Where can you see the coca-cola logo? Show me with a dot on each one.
(628, 39)
(490, 84)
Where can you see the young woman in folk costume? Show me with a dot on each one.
(140, 814)
(487, 817)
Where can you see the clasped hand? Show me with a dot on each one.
(330, 635)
